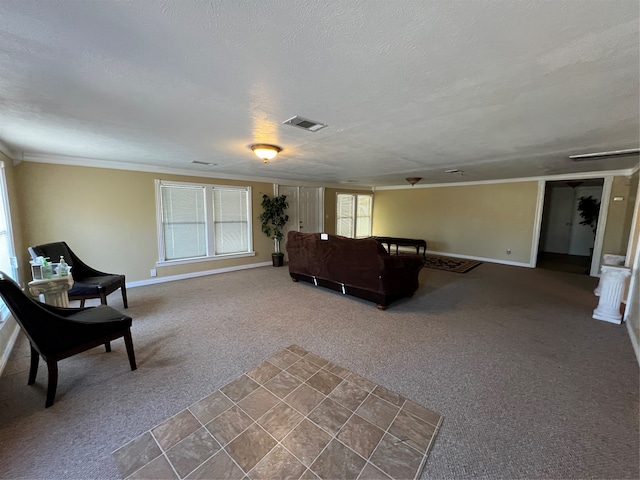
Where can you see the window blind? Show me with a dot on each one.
(345, 215)
(363, 217)
(230, 219)
(183, 222)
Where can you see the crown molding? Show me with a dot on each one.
(564, 176)
(138, 167)
(14, 156)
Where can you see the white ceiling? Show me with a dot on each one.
(498, 89)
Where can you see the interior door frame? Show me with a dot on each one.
(600, 229)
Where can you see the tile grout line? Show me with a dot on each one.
(425, 456)
(338, 433)
(383, 435)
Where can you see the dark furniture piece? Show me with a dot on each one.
(404, 242)
(87, 282)
(56, 333)
(358, 267)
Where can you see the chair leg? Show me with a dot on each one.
(33, 371)
(82, 303)
(107, 346)
(53, 382)
(124, 295)
(129, 344)
(103, 299)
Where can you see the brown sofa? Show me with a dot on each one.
(358, 267)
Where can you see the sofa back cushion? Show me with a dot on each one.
(354, 262)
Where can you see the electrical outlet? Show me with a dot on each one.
(153, 272)
(508, 251)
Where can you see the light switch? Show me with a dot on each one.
(618, 199)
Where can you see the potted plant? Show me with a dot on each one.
(274, 218)
(589, 209)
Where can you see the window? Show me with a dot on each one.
(353, 215)
(202, 222)
(8, 262)
(231, 222)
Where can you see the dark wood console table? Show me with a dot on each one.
(403, 242)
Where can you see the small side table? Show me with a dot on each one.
(609, 259)
(612, 280)
(54, 290)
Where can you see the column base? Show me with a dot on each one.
(607, 317)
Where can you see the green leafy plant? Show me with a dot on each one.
(589, 209)
(274, 218)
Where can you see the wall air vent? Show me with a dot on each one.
(304, 123)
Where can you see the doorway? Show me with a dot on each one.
(306, 209)
(566, 244)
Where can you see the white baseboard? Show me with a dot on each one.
(10, 343)
(171, 278)
(481, 259)
(634, 341)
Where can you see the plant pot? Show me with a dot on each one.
(277, 259)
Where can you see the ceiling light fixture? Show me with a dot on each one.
(413, 180)
(614, 153)
(265, 151)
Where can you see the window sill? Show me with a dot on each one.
(184, 261)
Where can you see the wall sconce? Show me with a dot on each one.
(265, 151)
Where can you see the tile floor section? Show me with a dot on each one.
(294, 416)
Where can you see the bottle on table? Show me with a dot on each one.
(63, 268)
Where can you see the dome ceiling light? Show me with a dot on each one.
(413, 180)
(265, 151)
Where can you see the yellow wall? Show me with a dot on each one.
(108, 217)
(475, 220)
(330, 206)
(620, 215)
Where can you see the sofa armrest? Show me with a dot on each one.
(399, 273)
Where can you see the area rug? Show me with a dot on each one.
(450, 264)
(296, 415)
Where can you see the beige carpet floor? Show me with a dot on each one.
(530, 386)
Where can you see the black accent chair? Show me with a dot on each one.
(56, 333)
(87, 282)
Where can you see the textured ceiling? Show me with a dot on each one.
(498, 89)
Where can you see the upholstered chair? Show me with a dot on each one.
(56, 333)
(88, 282)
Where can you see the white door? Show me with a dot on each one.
(582, 236)
(306, 209)
(559, 218)
(309, 210)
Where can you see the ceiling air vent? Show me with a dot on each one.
(198, 162)
(304, 123)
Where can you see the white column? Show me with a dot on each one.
(612, 283)
(54, 290)
(609, 259)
